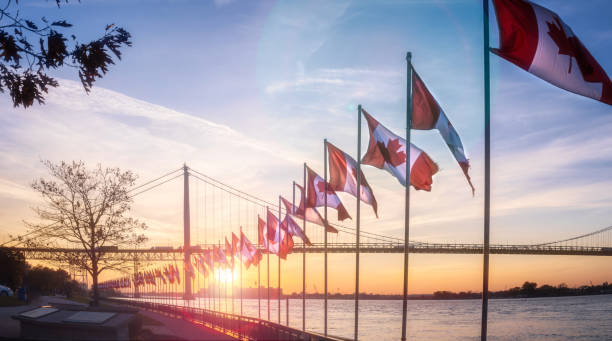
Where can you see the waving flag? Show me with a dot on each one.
(177, 273)
(235, 244)
(427, 114)
(200, 265)
(229, 251)
(294, 229)
(312, 215)
(273, 233)
(209, 258)
(219, 256)
(250, 254)
(343, 176)
(315, 196)
(168, 273)
(538, 41)
(388, 151)
(158, 274)
(262, 228)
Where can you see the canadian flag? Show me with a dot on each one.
(537, 40)
(427, 114)
(220, 256)
(388, 151)
(279, 241)
(343, 176)
(315, 196)
(209, 258)
(189, 271)
(312, 215)
(229, 251)
(167, 272)
(177, 273)
(294, 229)
(250, 254)
(235, 243)
(263, 232)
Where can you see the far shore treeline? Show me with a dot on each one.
(527, 290)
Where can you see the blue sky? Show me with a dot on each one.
(247, 90)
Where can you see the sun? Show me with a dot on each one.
(226, 275)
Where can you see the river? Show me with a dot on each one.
(537, 319)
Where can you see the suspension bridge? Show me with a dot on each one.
(221, 208)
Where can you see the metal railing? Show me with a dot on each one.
(236, 326)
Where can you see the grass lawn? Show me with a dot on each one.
(10, 301)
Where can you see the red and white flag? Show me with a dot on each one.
(294, 229)
(343, 176)
(272, 230)
(427, 114)
(312, 215)
(315, 196)
(250, 254)
(279, 241)
(235, 243)
(229, 251)
(538, 41)
(388, 151)
(262, 228)
(177, 273)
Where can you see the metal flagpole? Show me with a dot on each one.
(232, 275)
(358, 226)
(279, 258)
(407, 202)
(487, 156)
(259, 289)
(219, 278)
(304, 254)
(287, 258)
(240, 253)
(268, 267)
(325, 239)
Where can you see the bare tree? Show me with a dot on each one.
(86, 209)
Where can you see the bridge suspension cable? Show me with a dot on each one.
(609, 228)
(264, 203)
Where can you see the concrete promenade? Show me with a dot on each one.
(168, 328)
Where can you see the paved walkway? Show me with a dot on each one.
(182, 329)
(169, 329)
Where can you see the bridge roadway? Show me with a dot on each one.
(170, 254)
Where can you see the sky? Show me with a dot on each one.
(246, 91)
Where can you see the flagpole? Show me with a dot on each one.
(407, 202)
(240, 252)
(279, 259)
(304, 255)
(303, 244)
(232, 274)
(240, 265)
(487, 157)
(325, 238)
(358, 221)
(268, 267)
(219, 277)
(259, 289)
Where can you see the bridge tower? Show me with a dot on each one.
(187, 232)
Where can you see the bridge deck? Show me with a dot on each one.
(156, 254)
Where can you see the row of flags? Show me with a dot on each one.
(531, 37)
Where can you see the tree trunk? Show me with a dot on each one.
(94, 276)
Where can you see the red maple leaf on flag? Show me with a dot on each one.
(391, 153)
(557, 34)
(321, 186)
